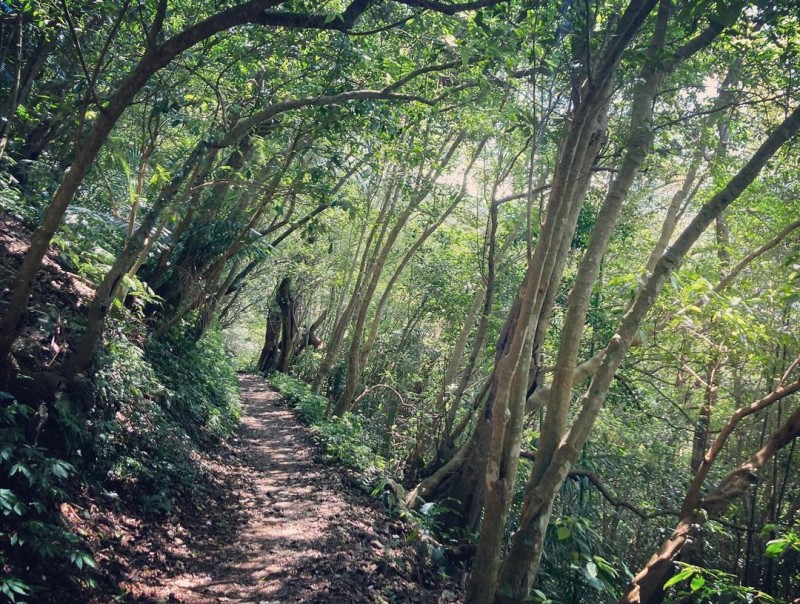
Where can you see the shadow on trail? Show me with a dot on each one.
(285, 528)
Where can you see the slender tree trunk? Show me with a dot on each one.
(649, 581)
(107, 290)
(354, 376)
(690, 184)
(548, 473)
(13, 98)
(340, 326)
(355, 365)
(539, 500)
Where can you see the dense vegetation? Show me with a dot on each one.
(530, 269)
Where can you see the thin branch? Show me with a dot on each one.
(84, 66)
(378, 30)
(450, 9)
(158, 24)
(417, 72)
(752, 256)
(607, 494)
(614, 500)
(532, 193)
(366, 392)
(107, 44)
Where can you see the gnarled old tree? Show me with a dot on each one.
(283, 339)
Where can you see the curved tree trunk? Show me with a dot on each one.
(355, 365)
(542, 489)
(647, 586)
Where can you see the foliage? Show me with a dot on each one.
(32, 537)
(697, 584)
(150, 409)
(783, 545)
(577, 561)
(201, 387)
(130, 437)
(195, 205)
(344, 439)
(310, 407)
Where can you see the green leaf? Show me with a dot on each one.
(60, 469)
(682, 575)
(564, 532)
(776, 548)
(697, 582)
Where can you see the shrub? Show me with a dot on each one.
(345, 439)
(151, 409)
(31, 489)
(202, 390)
(310, 407)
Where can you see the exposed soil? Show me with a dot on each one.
(275, 523)
(57, 297)
(284, 528)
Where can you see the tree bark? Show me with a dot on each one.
(649, 581)
(269, 352)
(289, 331)
(539, 500)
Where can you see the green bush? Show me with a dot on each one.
(31, 489)
(202, 391)
(697, 584)
(310, 407)
(345, 439)
(150, 410)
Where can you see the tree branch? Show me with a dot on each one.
(727, 279)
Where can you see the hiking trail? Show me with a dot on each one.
(292, 530)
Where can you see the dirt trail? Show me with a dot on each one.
(294, 531)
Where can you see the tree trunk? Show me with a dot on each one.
(538, 500)
(649, 581)
(345, 317)
(356, 360)
(289, 330)
(269, 352)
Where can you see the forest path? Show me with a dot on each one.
(292, 531)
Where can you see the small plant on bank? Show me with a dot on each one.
(697, 584)
(32, 481)
(310, 407)
(345, 439)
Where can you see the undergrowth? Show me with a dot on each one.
(126, 436)
(32, 485)
(344, 439)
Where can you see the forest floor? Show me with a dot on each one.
(275, 523)
(285, 527)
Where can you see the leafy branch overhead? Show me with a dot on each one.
(528, 270)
